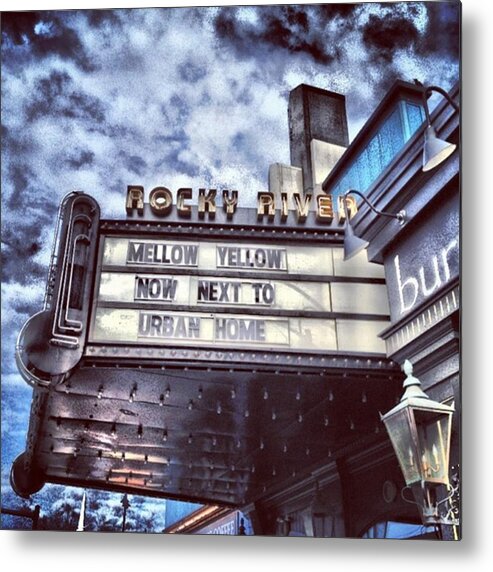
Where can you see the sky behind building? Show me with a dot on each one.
(96, 100)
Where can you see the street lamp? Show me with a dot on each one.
(352, 243)
(419, 429)
(435, 150)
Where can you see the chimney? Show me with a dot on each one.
(318, 133)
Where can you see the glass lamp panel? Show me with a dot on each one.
(434, 444)
(415, 116)
(399, 427)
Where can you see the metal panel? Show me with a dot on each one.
(263, 258)
(360, 298)
(359, 335)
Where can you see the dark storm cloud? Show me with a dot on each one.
(80, 159)
(386, 34)
(100, 18)
(303, 28)
(21, 242)
(44, 34)
(443, 30)
(56, 95)
(292, 28)
(191, 72)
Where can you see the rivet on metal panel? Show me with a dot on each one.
(247, 413)
(284, 448)
(214, 441)
(140, 431)
(165, 435)
(265, 394)
(300, 418)
(200, 393)
(307, 451)
(274, 416)
(190, 405)
(326, 420)
(161, 400)
(262, 444)
(351, 425)
(331, 395)
(364, 398)
(233, 393)
(298, 395)
(219, 408)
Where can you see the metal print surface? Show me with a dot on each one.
(230, 289)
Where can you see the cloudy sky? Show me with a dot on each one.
(96, 100)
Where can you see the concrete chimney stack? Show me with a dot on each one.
(318, 133)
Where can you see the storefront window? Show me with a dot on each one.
(390, 137)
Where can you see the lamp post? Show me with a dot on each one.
(352, 243)
(420, 429)
(435, 150)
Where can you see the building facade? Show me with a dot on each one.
(229, 356)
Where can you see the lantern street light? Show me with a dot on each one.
(420, 430)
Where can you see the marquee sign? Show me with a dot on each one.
(284, 296)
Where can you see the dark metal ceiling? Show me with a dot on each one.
(226, 436)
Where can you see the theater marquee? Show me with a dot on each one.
(210, 293)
